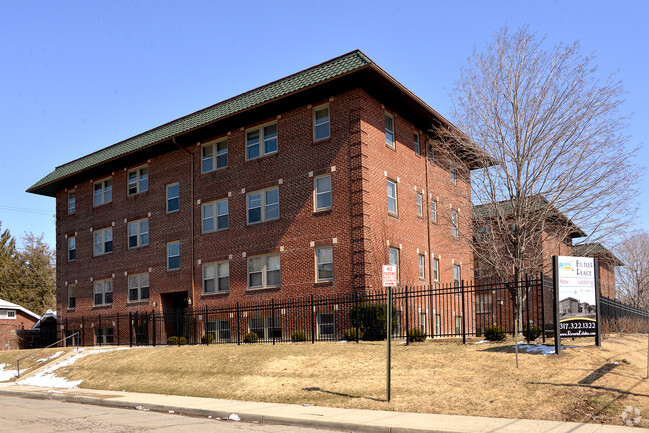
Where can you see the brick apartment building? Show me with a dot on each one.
(306, 185)
(14, 318)
(606, 260)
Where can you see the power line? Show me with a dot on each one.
(27, 210)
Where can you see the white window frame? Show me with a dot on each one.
(317, 193)
(395, 198)
(72, 248)
(72, 294)
(433, 211)
(169, 256)
(216, 217)
(104, 194)
(220, 271)
(324, 325)
(322, 123)
(101, 336)
(453, 173)
(390, 261)
(262, 141)
(72, 202)
(422, 267)
(390, 138)
(320, 264)
(138, 282)
(423, 323)
(417, 142)
(215, 328)
(8, 314)
(267, 326)
(420, 204)
(264, 271)
(104, 238)
(140, 182)
(457, 277)
(140, 234)
(263, 205)
(455, 228)
(102, 288)
(170, 198)
(218, 154)
(435, 269)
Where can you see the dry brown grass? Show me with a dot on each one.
(584, 384)
(9, 357)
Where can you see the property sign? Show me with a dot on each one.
(577, 295)
(389, 275)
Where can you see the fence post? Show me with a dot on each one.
(130, 329)
(65, 332)
(238, 326)
(272, 315)
(100, 330)
(527, 305)
(117, 322)
(463, 313)
(154, 327)
(83, 331)
(407, 321)
(542, 306)
(206, 322)
(357, 324)
(312, 320)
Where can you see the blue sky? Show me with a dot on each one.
(77, 76)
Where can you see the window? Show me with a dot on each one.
(72, 202)
(103, 291)
(457, 276)
(322, 187)
(422, 323)
(454, 223)
(103, 241)
(72, 296)
(72, 249)
(215, 216)
(216, 277)
(173, 197)
(138, 233)
(103, 192)
(103, 336)
(417, 147)
(218, 329)
(433, 211)
(422, 267)
(173, 256)
(264, 271)
(431, 153)
(210, 151)
(392, 197)
(320, 123)
(138, 287)
(326, 325)
(436, 269)
(261, 141)
(458, 325)
(389, 130)
(138, 180)
(420, 206)
(484, 303)
(324, 257)
(438, 325)
(265, 328)
(453, 171)
(7, 314)
(394, 260)
(263, 205)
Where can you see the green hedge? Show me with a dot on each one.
(372, 320)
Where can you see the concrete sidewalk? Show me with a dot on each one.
(356, 420)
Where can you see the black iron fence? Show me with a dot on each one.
(455, 310)
(612, 309)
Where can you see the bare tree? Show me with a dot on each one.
(549, 134)
(632, 279)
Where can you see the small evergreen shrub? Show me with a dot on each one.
(532, 333)
(175, 341)
(250, 337)
(350, 334)
(415, 335)
(207, 339)
(372, 320)
(299, 335)
(495, 333)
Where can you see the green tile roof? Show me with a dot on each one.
(595, 250)
(277, 89)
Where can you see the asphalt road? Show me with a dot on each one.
(24, 415)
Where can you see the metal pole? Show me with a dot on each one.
(463, 313)
(407, 322)
(272, 315)
(527, 305)
(389, 338)
(357, 324)
(130, 329)
(155, 334)
(542, 305)
(312, 320)
(238, 326)
(598, 292)
(555, 286)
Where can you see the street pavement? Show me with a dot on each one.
(300, 417)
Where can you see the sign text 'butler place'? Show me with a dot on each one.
(577, 296)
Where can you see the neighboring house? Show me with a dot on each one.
(306, 185)
(14, 318)
(606, 260)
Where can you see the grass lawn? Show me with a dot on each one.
(584, 384)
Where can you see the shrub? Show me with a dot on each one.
(350, 334)
(415, 334)
(207, 339)
(250, 337)
(532, 333)
(299, 335)
(174, 341)
(495, 333)
(372, 320)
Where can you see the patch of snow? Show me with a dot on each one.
(539, 348)
(6, 375)
(56, 355)
(481, 342)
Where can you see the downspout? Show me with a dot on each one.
(431, 260)
(191, 219)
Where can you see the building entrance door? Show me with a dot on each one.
(174, 309)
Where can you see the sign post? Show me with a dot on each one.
(389, 281)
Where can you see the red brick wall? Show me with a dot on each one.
(607, 279)
(8, 338)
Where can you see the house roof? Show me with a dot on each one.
(598, 250)
(6, 305)
(366, 74)
(505, 207)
